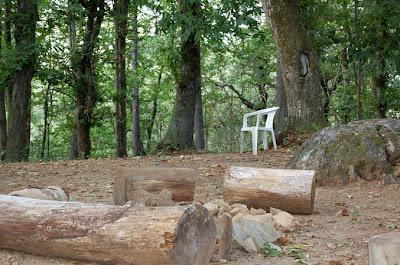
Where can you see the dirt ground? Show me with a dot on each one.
(328, 238)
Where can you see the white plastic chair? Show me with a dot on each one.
(269, 127)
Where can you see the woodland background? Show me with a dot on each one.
(96, 78)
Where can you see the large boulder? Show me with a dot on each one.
(367, 149)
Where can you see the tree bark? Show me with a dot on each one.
(107, 234)
(181, 126)
(18, 141)
(181, 182)
(85, 84)
(199, 122)
(137, 144)
(299, 64)
(289, 190)
(121, 28)
(281, 102)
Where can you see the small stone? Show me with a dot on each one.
(284, 221)
(274, 211)
(342, 212)
(212, 208)
(242, 207)
(257, 211)
(235, 211)
(249, 245)
(331, 245)
(223, 206)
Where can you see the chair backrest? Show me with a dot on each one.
(269, 123)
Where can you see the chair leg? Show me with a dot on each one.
(241, 142)
(255, 140)
(273, 139)
(265, 140)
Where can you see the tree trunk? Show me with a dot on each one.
(358, 65)
(107, 234)
(74, 152)
(181, 127)
(299, 64)
(85, 84)
(280, 99)
(20, 110)
(181, 182)
(149, 128)
(3, 115)
(46, 124)
(8, 43)
(137, 145)
(121, 27)
(199, 123)
(3, 126)
(289, 190)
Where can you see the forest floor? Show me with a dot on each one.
(328, 237)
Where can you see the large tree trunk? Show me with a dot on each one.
(289, 190)
(299, 64)
(137, 144)
(20, 110)
(107, 234)
(199, 122)
(181, 182)
(85, 84)
(121, 27)
(181, 127)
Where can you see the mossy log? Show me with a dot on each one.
(289, 190)
(106, 234)
(181, 182)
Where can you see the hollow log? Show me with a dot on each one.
(106, 234)
(384, 249)
(289, 190)
(181, 182)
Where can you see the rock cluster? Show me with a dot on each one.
(250, 229)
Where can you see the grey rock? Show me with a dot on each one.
(366, 149)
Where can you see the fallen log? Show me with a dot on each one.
(106, 234)
(181, 182)
(289, 190)
(384, 249)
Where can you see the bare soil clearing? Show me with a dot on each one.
(343, 220)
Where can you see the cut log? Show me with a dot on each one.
(181, 182)
(384, 249)
(289, 190)
(106, 234)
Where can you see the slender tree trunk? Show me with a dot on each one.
(45, 122)
(357, 65)
(137, 145)
(74, 152)
(20, 115)
(299, 64)
(8, 38)
(149, 128)
(199, 123)
(85, 85)
(121, 24)
(3, 117)
(3, 125)
(181, 127)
